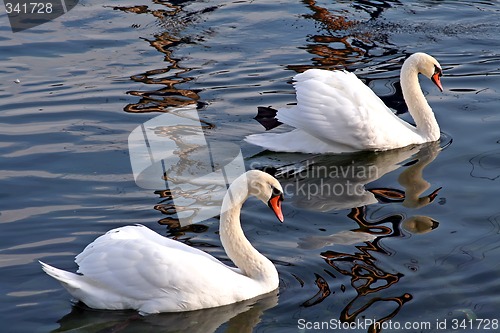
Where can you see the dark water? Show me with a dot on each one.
(72, 90)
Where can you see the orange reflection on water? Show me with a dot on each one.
(327, 46)
(367, 278)
(169, 96)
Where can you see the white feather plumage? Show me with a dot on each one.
(135, 268)
(336, 112)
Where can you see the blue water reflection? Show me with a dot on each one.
(73, 90)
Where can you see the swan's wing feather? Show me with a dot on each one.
(139, 232)
(143, 269)
(297, 141)
(337, 107)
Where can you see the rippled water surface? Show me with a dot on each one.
(73, 89)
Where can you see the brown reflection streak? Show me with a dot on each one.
(174, 227)
(143, 9)
(358, 215)
(336, 25)
(167, 99)
(167, 206)
(366, 277)
(346, 317)
(164, 194)
(162, 99)
(324, 292)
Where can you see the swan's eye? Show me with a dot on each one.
(276, 193)
(438, 71)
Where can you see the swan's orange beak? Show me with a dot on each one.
(275, 204)
(436, 78)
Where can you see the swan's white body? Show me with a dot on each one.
(336, 112)
(135, 268)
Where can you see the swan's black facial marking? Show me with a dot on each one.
(438, 71)
(276, 193)
(275, 202)
(436, 77)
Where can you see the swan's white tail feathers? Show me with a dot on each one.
(302, 142)
(70, 281)
(272, 141)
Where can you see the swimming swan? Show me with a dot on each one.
(336, 112)
(133, 267)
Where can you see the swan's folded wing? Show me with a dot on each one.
(138, 232)
(337, 107)
(139, 268)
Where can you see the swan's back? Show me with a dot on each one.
(336, 112)
(135, 268)
(337, 107)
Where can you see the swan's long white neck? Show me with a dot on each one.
(418, 107)
(238, 248)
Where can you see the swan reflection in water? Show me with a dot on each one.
(334, 182)
(369, 276)
(240, 317)
(348, 189)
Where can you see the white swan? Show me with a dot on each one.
(336, 112)
(135, 268)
